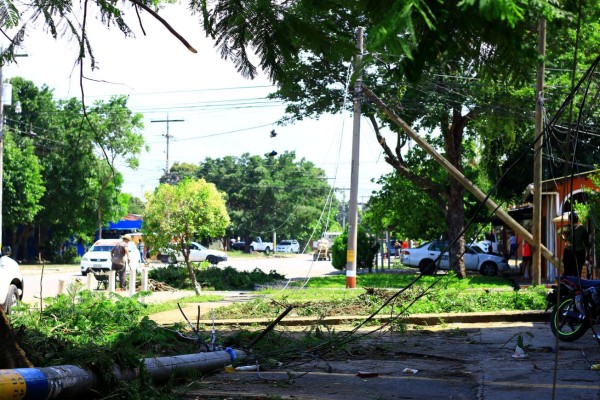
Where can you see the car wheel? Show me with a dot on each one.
(172, 260)
(251, 249)
(84, 273)
(11, 298)
(488, 269)
(427, 267)
(212, 260)
(267, 251)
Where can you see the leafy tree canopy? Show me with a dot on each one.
(191, 209)
(62, 162)
(266, 194)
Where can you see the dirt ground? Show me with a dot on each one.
(458, 361)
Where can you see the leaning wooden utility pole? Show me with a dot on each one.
(536, 276)
(470, 186)
(353, 202)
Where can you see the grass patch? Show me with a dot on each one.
(392, 280)
(327, 296)
(172, 304)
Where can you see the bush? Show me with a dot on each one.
(366, 250)
(215, 278)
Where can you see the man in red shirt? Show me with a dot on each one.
(526, 263)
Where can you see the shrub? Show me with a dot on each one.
(366, 250)
(216, 278)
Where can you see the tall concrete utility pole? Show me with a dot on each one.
(167, 136)
(536, 277)
(353, 202)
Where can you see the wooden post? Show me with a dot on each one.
(89, 281)
(111, 281)
(61, 286)
(132, 278)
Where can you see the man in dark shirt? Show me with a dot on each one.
(577, 246)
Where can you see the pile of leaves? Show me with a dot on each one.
(214, 278)
(96, 332)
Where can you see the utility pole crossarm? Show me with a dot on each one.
(470, 186)
(167, 121)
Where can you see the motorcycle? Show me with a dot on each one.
(577, 308)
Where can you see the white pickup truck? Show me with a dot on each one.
(259, 245)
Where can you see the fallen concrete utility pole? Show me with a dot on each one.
(65, 381)
(470, 186)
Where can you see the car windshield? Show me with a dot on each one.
(102, 248)
(284, 243)
(477, 249)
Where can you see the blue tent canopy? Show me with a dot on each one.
(126, 224)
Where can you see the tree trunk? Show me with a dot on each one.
(455, 219)
(197, 287)
(455, 216)
(11, 354)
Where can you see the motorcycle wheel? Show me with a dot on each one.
(567, 324)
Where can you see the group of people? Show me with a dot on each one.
(576, 248)
(125, 253)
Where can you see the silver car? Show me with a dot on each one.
(198, 253)
(426, 256)
(288, 246)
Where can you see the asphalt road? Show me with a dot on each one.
(456, 361)
(46, 283)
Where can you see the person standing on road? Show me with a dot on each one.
(512, 242)
(142, 250)
(397, 248)
(119, 258)
(577, 246)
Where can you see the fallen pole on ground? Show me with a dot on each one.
(66, 381)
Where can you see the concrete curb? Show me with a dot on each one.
(415, 319)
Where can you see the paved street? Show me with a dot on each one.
(456, 361)
(292, 266)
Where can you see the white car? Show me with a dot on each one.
(11, 280)
(198, 253)
(424, 257)
(288, 246)
(98, 258)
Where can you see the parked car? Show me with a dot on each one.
(238, 245)
(424, 257)
(11, 281)
(198, 253)
(288, 246)
(97, 258)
